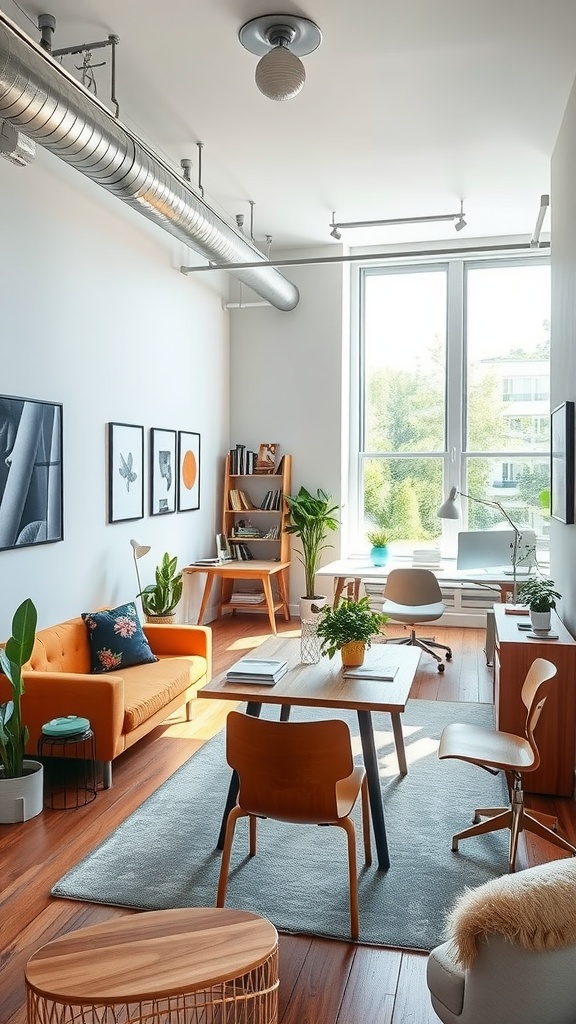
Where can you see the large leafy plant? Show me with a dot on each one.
(312, 517)
(351, 620)
(538, 593)
(18, 650)
(161, 598)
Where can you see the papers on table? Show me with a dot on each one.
(378, 664)
(264, 671)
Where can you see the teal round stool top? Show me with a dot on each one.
(69, 725)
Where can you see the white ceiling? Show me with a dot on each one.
(409, 105)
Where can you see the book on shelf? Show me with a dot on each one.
(377, 665)
(257, 670)
(241, 597)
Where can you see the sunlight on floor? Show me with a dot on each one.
(246, 643)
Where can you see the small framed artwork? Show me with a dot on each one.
(163, 471)
(125, 472)
(562, 463)
(266, 460)
(188, 471)
(31, 509)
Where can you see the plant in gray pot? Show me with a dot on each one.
(21, 779)
(312, 517)
(539, 594)
(159, 599)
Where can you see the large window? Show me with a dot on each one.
(453, 390)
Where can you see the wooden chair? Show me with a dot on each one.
(503, 751)
(301, 772)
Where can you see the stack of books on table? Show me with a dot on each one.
(266, 671)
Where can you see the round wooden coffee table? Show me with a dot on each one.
(189, 966)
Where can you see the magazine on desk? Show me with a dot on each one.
(377, 664)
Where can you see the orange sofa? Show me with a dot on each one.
(122, 706)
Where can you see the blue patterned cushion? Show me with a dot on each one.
(116, 639)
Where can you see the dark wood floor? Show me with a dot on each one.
(321, 980)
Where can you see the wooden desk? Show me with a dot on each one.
(556, 731)
(324, 686)
(237, 569)
(355, 570)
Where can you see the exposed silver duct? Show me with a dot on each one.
(40, 98)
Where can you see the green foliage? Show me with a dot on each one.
(18, 650)
(351, 620)
(377, 538)
(161, 598)
(538, 593)
(312, 517)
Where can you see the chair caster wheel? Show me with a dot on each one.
(441, 667)
(448, 655)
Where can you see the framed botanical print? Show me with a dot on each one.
(163, 470)
(125, 472)
(562, 463)
(188, 471)
(31, 504)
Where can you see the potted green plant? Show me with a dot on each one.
(349, 628)
(159, 599)
(539, 594)
(378, 538)
(312, 517)
(21, 779)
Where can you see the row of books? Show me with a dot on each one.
(272, 501)
(266, 671)
(242, 552)
(239, 500)
(242, 461)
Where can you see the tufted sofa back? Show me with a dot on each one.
(61, 648)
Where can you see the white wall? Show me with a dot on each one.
(288, 374)
(563, 334)
(94, 314)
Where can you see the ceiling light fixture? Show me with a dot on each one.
(337, 227)
(280, 40)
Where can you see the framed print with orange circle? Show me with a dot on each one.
(188, 471)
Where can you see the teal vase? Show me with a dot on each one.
(379, 556)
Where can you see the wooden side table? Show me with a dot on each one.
(190, 966)
(261, 571)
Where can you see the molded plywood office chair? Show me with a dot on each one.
(301, 772)
(504, 751)
(412, 596)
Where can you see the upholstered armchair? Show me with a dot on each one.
(511, 953)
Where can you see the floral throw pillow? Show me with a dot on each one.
(116, 639)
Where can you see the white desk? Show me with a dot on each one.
(354, 570)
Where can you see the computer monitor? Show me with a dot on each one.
(485, 549)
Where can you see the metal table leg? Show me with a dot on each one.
(374, 789)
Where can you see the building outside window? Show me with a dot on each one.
(453, 389)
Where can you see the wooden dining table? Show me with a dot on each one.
(323, 685)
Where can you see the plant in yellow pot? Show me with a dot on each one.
(349, 628)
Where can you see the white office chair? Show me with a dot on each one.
(412, 596)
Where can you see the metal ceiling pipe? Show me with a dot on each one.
(47, 104)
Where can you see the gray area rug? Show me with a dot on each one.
(164, 854)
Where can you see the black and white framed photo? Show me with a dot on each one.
(125, 472)
(163, 471)
(562, 463)
(31, 493)
(188, 471)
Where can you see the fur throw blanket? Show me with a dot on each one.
(535, 908)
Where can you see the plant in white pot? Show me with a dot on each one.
(159, 599)
(21, 779)
(312, 517)
(539, 594)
